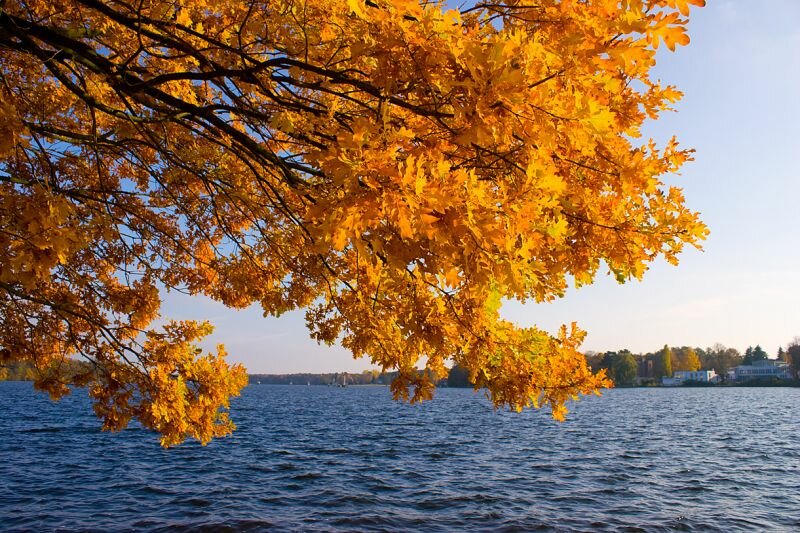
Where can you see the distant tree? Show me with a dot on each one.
(664, 363)
(706, 359)
(458, 377)
(751, 355)
(594, 359)
(748, 356)
(721, 359)
(793, 357)
(369, 376)
(25, 371)
(685, 358)
(620, 372)
(781, 356)
(607, 363)
(702, 355)
(759, 354)
(692, 360)
(677, 358)
(624, 368)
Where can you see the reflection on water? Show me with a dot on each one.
(318, 458)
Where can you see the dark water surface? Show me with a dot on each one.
(318, 458)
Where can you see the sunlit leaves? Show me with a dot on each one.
(392, 167)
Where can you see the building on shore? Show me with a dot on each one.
(699, 376)
(766, 368)
(645, 368)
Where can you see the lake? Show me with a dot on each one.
(321, 459)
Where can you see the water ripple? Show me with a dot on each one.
(322, 459)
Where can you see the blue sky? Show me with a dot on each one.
(741, 112)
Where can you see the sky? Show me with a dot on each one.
(741, 112)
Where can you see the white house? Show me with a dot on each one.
(678, 377)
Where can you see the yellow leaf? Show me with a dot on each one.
(452, 277)
(404, 226)
(357, 7)
(602, 121)
(552, 182)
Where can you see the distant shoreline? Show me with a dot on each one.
(330, 379)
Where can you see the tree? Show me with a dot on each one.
(625, 368)
(751, 355)
(621, 367)
(678, 358)
(607, 364)
(692, 361)
(664, 363)
(748, 356)
(594, 360)
(793, 357)
(759, 354)
(391, 167)
(458, 376)
(722, 359)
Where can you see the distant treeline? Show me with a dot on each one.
(457, 377)
(17, 372)
(622, 366)
(25, 371)
(627, 368)
(367, 377)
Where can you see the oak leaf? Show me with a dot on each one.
(396, 169)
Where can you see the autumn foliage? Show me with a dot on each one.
(395, 168)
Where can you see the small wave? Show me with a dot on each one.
(197, 502)
(217, 526)
(694, 488)
(306, 476)
(152, 489)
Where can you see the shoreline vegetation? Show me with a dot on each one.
(625, 369)
(718, 365)
(330, 380)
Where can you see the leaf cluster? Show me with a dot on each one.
(395, 168)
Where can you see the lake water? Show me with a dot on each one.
(319, 458)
